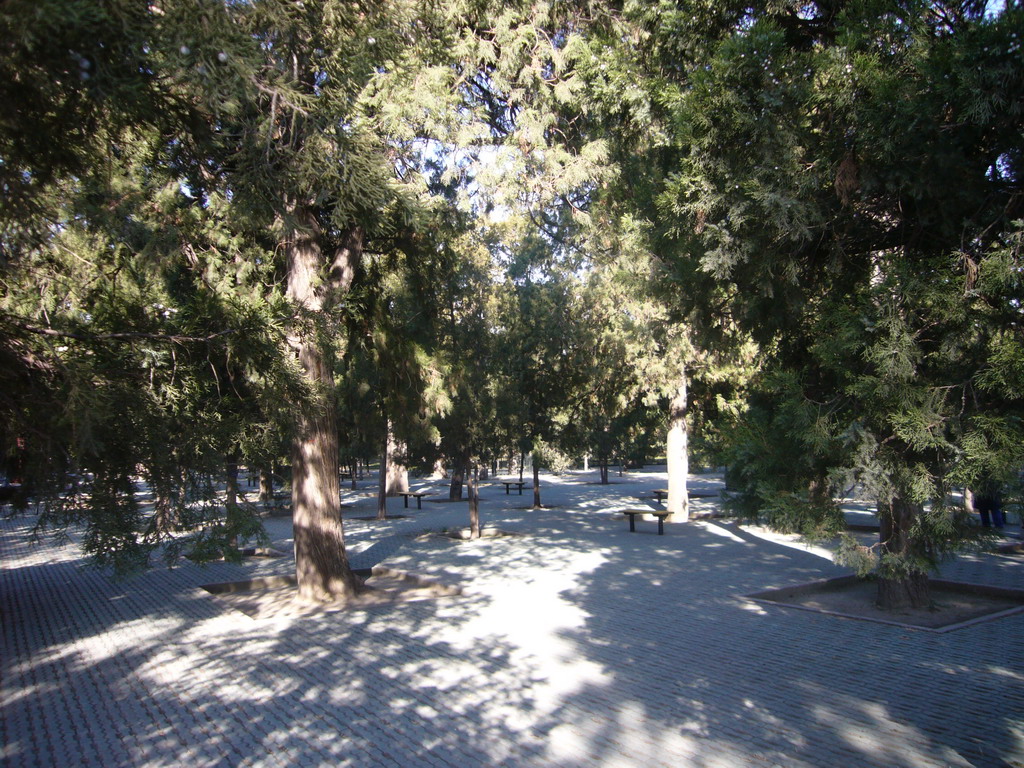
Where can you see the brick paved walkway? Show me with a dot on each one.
(577, 644)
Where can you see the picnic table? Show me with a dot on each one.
(417, 494)
(509, 483)
(658, 513)
(660, 494)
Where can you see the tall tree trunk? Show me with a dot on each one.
(604, 471)
(900, 588)
(474, 504)
(586, 462)
(522, 462)
(536, 482)
(321, 564)
(678, 503)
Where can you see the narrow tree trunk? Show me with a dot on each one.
(604, 471)
(382, 485)
(474, 504)
(231, 510)
(355, 470)
(266, 484)
(536, 482)
(483, 470)
(321, 564)
(678, 503)
(900, 587)
(522, 462)
(586, 462)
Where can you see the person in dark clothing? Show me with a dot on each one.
(988, 502)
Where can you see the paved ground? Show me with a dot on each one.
(576, 644)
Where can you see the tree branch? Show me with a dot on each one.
(123, 336)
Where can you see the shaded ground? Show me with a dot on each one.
(580, 644)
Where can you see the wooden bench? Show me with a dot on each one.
(660, 494)
(418, 494)
(660, 514)
(509, 483)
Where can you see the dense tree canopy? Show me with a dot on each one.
(232, 225)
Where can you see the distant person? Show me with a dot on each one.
(988, 502)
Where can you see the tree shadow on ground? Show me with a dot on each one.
(714, 677)
(581, 644)
(137, 679)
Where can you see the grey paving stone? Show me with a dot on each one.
(577, 643)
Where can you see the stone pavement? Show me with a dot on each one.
(576, 644)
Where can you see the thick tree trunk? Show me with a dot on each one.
(397, 474)
(678, 503)
(166, 516)
(321, 564)
(458, 478)
(266, 484)
(900, 588)
(474, 505)
(586, 462)
(536, 482)
(604, 471)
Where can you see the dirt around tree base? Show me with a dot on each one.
(463, 534)
(276, 597)
(955, 604)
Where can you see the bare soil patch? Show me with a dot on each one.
(275, 597)
(955, 604)
(256, 552)
(463, 534)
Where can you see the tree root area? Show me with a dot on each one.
(277, 597)
(954, 604)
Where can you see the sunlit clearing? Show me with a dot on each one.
(790, 540)
(719, 531)
(534, 620)
(752, 607)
